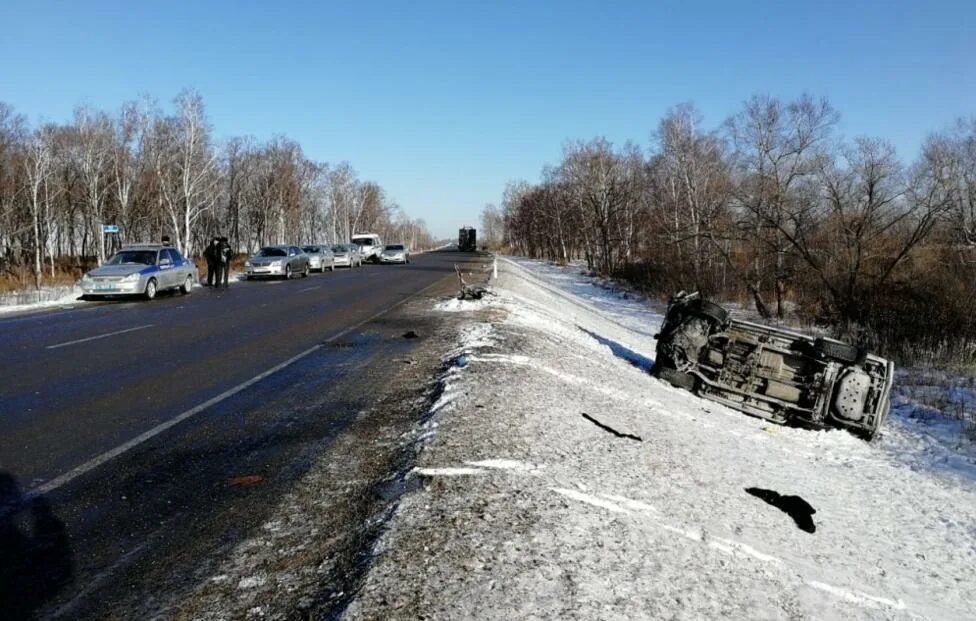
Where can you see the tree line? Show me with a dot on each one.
(155, 172)
(772, 208)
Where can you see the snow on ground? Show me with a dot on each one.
(560, 480)
(46, 297)
(66, 296)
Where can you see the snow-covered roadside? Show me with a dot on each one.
(564, 482)
(47, 297)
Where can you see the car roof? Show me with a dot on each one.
(145, 247)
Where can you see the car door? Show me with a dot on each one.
(181, 267)
(165, 269)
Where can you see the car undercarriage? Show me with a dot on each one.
(769, 372)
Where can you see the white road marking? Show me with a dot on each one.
(590, 500)
(448, 472)
(857, 597)
(100, 336)
(97, 461)
(310, 288)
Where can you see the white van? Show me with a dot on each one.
(370, 245)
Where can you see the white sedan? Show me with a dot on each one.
(395, 253)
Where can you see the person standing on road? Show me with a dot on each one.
(212, 255)
(225, 255)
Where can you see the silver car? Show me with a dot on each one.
(347, 255)
(142, 270)
(772, 373)
(395, 253)
(320, 257)
(277, 261)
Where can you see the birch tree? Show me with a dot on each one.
(94, 130)
(37, 168)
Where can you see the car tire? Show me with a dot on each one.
(288, 272)
(305, 273)
(678, 379)
(187, 285)
(332, 267)
(838, 351)
(710, 310)
(151, 289)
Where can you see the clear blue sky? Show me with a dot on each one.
(443, 102)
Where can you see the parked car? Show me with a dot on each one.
(320, 257)
(369, 244)
(395, 253)
(347, 255)
(772, 373)
(142, 270)
(281, 261)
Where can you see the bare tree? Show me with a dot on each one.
(775, 147)
(94, 130)
(124, 159)
(185, 165)
(37, 166)
(693, 186)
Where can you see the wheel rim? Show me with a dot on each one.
(287, 271)
(188, 284)
(151, 289)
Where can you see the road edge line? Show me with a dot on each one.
(111, 454)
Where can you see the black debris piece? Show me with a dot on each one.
(793, 506)
(619, 434)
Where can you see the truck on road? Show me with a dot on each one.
(467, 239)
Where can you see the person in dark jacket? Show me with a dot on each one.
(225, 255)
(212, 255)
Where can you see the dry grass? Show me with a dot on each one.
(21, 278)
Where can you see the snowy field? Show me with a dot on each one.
(561, 481)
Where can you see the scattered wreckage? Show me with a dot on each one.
(775, 374)
(469, 291)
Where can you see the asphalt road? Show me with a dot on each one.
(120, 423)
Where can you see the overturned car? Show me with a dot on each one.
(776, 374)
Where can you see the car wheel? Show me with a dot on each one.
(332, 267)
(187, 285)
(288, 272)
(709, 310)
(150, 289)
(305, 273)
(838, 351)
(678, 379)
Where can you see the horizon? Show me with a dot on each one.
(443, 105)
